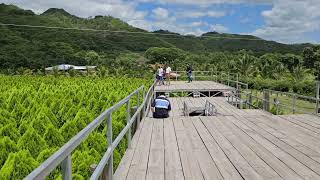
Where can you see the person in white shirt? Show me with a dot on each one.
(160, 75)
(168, 74)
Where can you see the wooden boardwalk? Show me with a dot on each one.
(178, 86)
(235, 144)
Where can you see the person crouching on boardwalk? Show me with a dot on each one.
(161, 107)
(168, 74)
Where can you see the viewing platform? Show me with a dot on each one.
(200, 86)
(234, 144)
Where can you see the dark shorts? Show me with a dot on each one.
(161, 113)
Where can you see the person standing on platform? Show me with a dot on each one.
(189, 73)
(168, 74)
(160, 76)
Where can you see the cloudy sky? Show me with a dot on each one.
(287, 21)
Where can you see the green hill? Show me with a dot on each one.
(36, 47)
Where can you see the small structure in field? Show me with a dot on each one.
(66, 67)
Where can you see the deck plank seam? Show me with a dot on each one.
(303, 163)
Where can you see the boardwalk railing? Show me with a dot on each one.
(274, 101)
(104, 170)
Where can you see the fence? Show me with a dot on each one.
(104, 170)
(276, 102)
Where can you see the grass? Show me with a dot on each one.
(302, 106)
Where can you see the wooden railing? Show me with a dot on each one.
(104, 170)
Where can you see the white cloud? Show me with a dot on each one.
(219, 28)
(199, 14)
(160, 13)
(289, 22)
(207, 2)
(85, 8)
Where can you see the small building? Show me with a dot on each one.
(66, 67)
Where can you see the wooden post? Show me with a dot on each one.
(266, 101)
(66, 168)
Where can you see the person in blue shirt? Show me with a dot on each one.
(161, 107)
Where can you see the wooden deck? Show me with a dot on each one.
(178, 86)
(236, 144)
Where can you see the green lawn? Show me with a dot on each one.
(286, 104)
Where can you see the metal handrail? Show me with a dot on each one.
(276, 103)
(63, 155)
(210, 109)
(106, 157)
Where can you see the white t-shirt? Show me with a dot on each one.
(160, 72)
(168, 70)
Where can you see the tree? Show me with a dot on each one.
(309, 57)
(92, 58)
(269, 66)
(291, 61)
(245, 64)
(164, 55)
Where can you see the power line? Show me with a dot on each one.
(124, 32)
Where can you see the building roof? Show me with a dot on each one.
(64, 67)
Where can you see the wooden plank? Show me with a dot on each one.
(253, 140)
(287, 145)
(139, 164)
(195, 85)
(299, 121)
(240, 163)
(290, 129)
(207, 166)
(252, 158)
(173, 168)
(225, 167)
(190, 165)
(123, 168)
(156, 158)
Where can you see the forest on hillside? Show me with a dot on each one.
(262, 64)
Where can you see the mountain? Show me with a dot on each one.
(51, 46)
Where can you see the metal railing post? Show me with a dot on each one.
(250, 100)
(317, 106)
(139, 114)
(66, 168)
(277, 104)
(294, 104)
(128, 121)
(144, 106)
(317, 97)
(109, 138)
